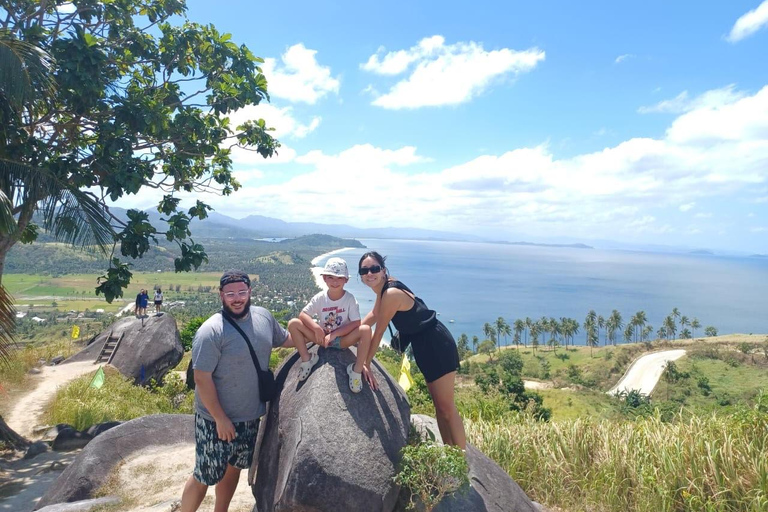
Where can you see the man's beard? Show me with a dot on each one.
(237, 316)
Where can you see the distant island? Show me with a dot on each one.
(702, 252)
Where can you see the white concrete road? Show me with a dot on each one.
(645, 373)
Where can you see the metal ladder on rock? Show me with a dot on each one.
(109, 348)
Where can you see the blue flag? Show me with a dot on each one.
(142, 375)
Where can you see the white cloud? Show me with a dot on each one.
(749, 23)
(445, 74)
(281, 119)
(622, 58)
(625, 189)
(683, 103)
(299, 78)
(759, 229)
(762, 199)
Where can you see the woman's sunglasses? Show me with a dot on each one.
(373, 269)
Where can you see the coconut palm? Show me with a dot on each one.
(638, 322)
(647, 330)
(675, 314)
(600, 325)
(528, 325)
(614, 324)
(670, 326)
(535, 327)
(490, 333)
(628, 332)
(519, 326)
(695, 325)
(502, 329)
(475, 341)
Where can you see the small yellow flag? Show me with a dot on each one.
(98, 379)
(405, 380)
(75, 332)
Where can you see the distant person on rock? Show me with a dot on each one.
(338, 324)
(227, 398)
(433, 346)
(142, 299)
(158, 301)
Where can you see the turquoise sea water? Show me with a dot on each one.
(474, 283)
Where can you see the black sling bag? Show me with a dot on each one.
(267, 384)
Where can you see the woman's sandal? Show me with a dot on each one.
(305, 368)
(355, 379)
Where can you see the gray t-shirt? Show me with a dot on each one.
(220, 349)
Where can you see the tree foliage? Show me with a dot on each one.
(121, 101)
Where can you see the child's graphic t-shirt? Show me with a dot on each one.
(332, 314)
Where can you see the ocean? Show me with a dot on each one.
(470, 284)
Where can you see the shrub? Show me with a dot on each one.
(189, 330)
(430, 472)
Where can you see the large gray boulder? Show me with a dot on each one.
(92, 466)
(322, 448)
(153, 342)
(490, 487)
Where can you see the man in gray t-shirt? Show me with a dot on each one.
(227, 400)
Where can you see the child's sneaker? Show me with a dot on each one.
(355, 379)
(305, 368)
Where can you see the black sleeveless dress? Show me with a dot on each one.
(433, 346)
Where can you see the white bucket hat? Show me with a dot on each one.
(335, 267)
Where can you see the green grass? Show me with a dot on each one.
(570, 405)
(715, 463)
(117, 400)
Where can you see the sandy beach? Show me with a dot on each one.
(316, 270)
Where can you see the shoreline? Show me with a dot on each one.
(316, 270)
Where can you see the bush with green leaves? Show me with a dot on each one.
(188, 332)
(430, 472)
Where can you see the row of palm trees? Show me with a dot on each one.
(555, 333)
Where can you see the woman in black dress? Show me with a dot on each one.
(433, 346)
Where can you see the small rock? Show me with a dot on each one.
(56, 360)
(95, 430)
(36, 449)
(70, 439)
(34, 371)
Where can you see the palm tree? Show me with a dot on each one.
(554, 331)
(661, 333)
(535, 335)
(490, 333)
(502, 328)
(684, 322)
(675, 314)
(695, 325)
(601, 325)
(589, 325)
(475, 341)
(647, 330)
(638, 322)
(528, 325)
(670, 327)
(26, 76)
(519, 328)
(614, 324)
(628, 332)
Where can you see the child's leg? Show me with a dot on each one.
(300, 336)
(362, 338)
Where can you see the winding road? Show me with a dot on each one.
(646, 371)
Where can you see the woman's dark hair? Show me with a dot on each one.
(373, 254)
(380, 260)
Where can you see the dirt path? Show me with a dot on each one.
(27, 412)
(163, 470)
(645, 373)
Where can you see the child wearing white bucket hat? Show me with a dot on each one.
(338, 323)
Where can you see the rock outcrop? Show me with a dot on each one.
(323, 448)
(151, 343)
(92, 466)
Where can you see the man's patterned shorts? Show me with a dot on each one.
(212, 454)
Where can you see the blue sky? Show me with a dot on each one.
(641, 122)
